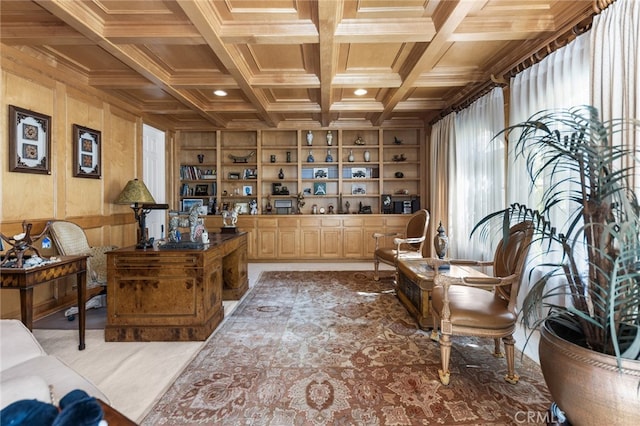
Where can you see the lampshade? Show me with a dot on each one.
(135, 192)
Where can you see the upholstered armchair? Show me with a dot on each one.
(482, 307)
(70, 239)
(405, 245)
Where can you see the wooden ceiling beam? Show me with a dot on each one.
(205, 19)
(367, 80)
(81, 18)
(431, 55)
(402, 30)
(329, 14)
(280, 32)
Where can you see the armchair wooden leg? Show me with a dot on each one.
(445, 354)
(435, 336)
(497, 351)
(376, 264)
(511, 376)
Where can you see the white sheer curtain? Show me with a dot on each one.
(561, 80)
(476, 173)
(615, 69)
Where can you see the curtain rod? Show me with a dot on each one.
(502, 80)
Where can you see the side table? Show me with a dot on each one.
(415, 282)
(25, 279)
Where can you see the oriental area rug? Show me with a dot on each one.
(338, 348)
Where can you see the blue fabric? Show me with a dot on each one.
(77, 408)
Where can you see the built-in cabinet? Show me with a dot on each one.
(306, 187)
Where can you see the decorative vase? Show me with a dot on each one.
(310, 158)
(367, 156)
(329, 158)
(329, 138)
(441, 242)
(309, 138)
(587, 385)
(281, 174)
(351, 157)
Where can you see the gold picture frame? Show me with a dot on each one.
(87, 152)
(29, 141)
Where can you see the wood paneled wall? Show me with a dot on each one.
(38, 198)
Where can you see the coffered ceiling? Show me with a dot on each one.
(287, 63)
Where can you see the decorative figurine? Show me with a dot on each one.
(300, 202)
(22, 242)
(253, 207)
(359, 141)
(281, 174)
(441, 242)
(309, 138)
(396, 140)
(329, 158)
(329, 138)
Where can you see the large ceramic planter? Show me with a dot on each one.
(587, 385)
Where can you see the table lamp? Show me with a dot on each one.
(136, 194)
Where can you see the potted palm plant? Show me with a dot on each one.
(585, 283)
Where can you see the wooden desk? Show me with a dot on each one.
(415, 282)
(25, 279)
(113, 416)
(173, 294)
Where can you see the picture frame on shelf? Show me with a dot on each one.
(358, 189)
(233, 176)
(250, 173)
(202, 189)
(29, 141)
(320, 172)
(87, 152)
(358, 172)
(319, 188)
(243, 208)
(247, 190)
(188, 203)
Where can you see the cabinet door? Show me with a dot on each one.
(352, 244)
(288, 246)
(267, 240)
(331, 242)
(310, 243)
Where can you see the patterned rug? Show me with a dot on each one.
(337, 348)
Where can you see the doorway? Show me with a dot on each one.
(153, 166)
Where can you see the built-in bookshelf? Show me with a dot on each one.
(330, 171)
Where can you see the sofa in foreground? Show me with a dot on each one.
(27, 372)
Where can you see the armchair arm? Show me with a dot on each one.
(378, 235)
(400, 241)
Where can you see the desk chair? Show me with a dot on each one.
(464, 307)
(70, 239)
(406, 245)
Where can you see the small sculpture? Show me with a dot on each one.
(359, 141)
(329, 138)
(242, 159)
(22, 242)
(253, 207)
(396, 140)
(347, 205)
(309, 138)
(230, 218)
(441, 242)
(300, 202)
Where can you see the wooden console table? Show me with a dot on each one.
(173, 294)
(25, 279)
(415, 282)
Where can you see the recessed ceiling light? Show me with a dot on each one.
(220, 93)
(360, 92)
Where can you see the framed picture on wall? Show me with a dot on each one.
(202, 189)
(86, 152)
(29, 141)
